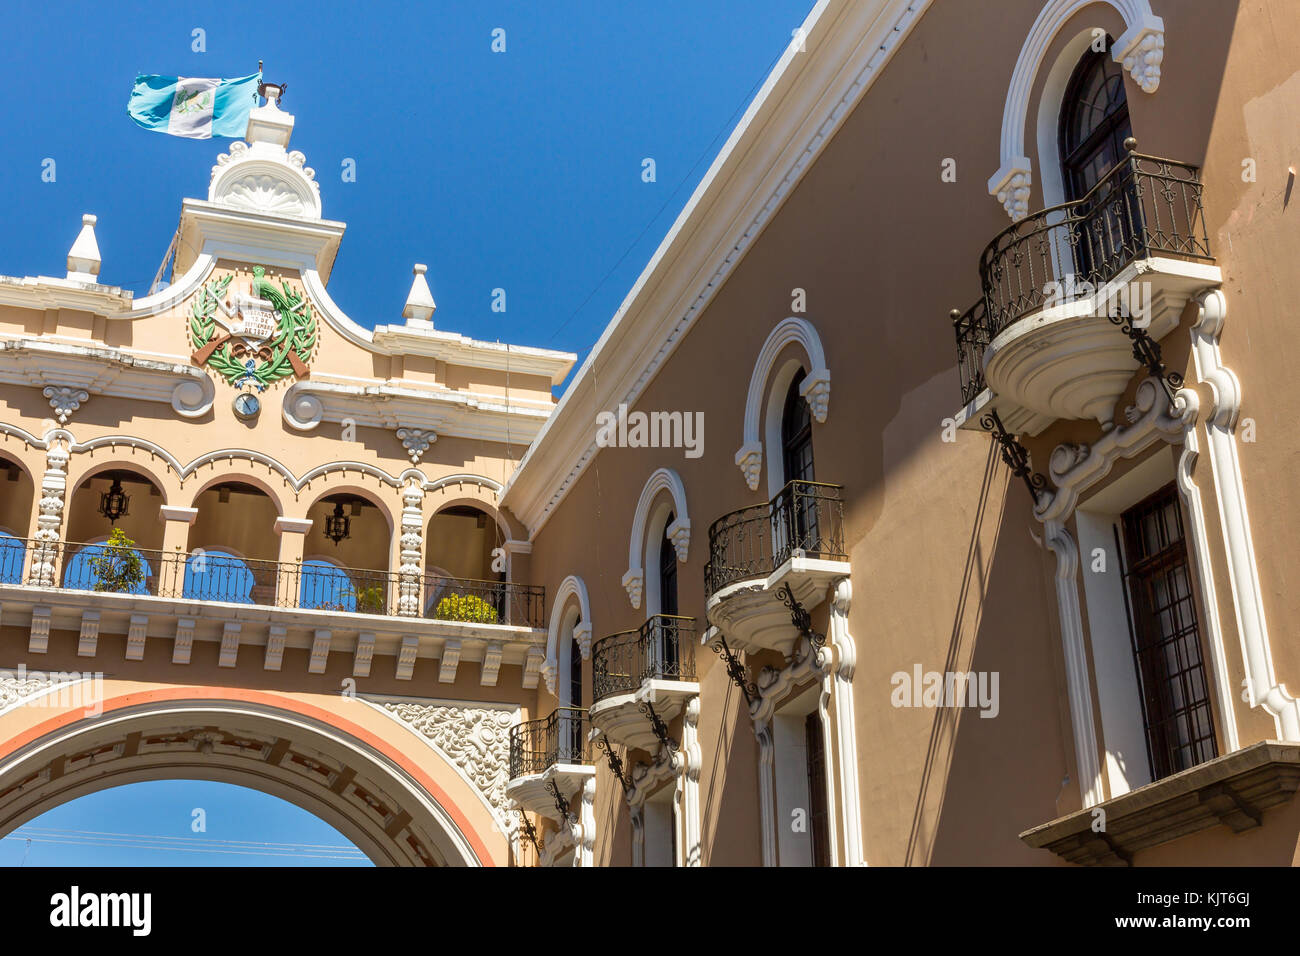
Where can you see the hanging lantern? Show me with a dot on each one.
(337, 525)
(113, 504)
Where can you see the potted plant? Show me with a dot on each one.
(370, 600)
(466, 607)
(118, 566)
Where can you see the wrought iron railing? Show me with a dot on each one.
(307, 585)
(560, 738)
(804, 517)
(663, 648)
(1144, 206)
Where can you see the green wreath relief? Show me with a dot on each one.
(243, 358)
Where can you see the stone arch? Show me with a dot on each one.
(816, 388)
(648, 523)
(572, 588)
(371, 776)
(243, 477)
(1140, 50)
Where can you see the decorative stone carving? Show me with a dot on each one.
(634, 584)
(1143, 56)
(16, 687)
(409, 578)
(750, 460)
(680, 535)
(1013, 193)
(816, 390)
(416, 441)
(475, 739)
(54, 485)
(582, 635)
(65, 400)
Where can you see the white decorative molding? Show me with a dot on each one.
(65, 400)
(691, 758)
(571, 587)
(410, 574)
(678, 531)
(1263, 688)
(533, 666)
(1074, 469)
(364, 654)
(634, 585)
(292, 525)
(136, 635)
(816, 388)
(490, 666)
(38, 640)
(320, 651)
(18, 688)
(449, 661)
(275, 638)
(49, 518)
(582, 634)
(261, 175)
(406, 657)
(1187, 402)
(416, 441)
(229, 643)
(88, 640)
(1140, 50)
(177, 513)
(419, 307)
(839, 688)
(475, 739)
(183, 644)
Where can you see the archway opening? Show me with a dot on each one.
(121, 505)
(179, 822)
(17, 495)
(233, 547)
(460, 555)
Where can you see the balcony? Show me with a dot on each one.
(550, 759)
(764, 558)
(308, 585)
(642, 679)
(1061, 289)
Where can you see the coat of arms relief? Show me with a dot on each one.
(255, 335)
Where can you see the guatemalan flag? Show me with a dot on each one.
(193, 107)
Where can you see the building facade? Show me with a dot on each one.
(925, 503)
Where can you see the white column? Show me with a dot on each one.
(688, 784)
(1076, 661)
(1243, 574)
(846, 733)
(54, 486)
(766, 790)
(409, 573)
(585, 832)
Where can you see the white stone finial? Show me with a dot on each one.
(83, 257)
(268, 123)
(419, 302)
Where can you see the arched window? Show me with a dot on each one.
(796, 434)
(575, 671)
(667, 571)
(1094, 122)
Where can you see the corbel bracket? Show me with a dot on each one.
(735, 669)
(615, 762)
(1015, 455)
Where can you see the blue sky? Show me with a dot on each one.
(519, 170)
(153, 824)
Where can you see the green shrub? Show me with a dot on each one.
(370, 600)
(118, 566)
(466, 607)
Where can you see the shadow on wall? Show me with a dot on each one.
(1007, 766)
